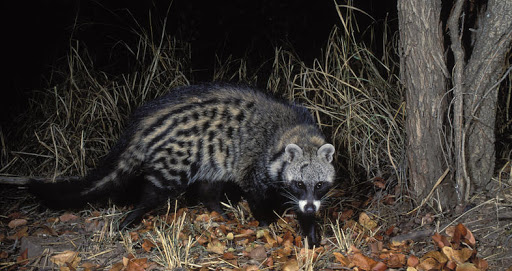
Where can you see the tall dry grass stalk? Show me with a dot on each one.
(173, 251)
(345, 239)
(70, 125)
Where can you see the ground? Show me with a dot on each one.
(375, 234)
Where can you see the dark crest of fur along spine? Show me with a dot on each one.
(216, 134)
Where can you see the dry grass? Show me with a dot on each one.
(172, 253)
(68, 126)
(354, 95)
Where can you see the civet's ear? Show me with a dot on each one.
(292, 152)
(326, 152)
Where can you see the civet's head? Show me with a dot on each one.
(308, 176)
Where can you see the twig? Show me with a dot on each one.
(467, 212)
(461, 177)
(417, 235)
(24, 180)
(431, 191)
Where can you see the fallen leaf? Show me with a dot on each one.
(291, 265)
(306, 253)
(362, 261)
(15, 215)
(466, 267)
(390, 230)
(450, 230)
(346, 214)
(16, 223)
(436, 255)
(258, 253)
(269, 239)
(375, 248)
(251, 268)
(254, 223)
(413, 261)
(52, 220)
(216, 216)
(393, 260)
(451, 265)
(137, 264)
(23, 258)
(147, 245)
(216, 247)
(398, 243)
(65, 258)
(117, 267)
(270, 261)
(224, 229)
(440, 240)
(203, 218)
(379, 182)
(458, 256)
(458, 234)
(243, 242)
(340, 258)
(88, 266)
(228, 256)
(127, 260)
(367, 222)
(282, 254)
(45, 230)
(380, 266)
(298, 241)
(353, 249)
(427, 219)
(68, 217)
(481, 264)
(288, 239)
(201, 240)
(19, 234)
(134, 236)
(470, 239)
(429, 264)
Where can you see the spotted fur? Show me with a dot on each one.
(271, 150)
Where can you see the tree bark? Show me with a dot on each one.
(424, 74)
(481, 75)
(469, 151)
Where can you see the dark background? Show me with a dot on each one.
(37, 34)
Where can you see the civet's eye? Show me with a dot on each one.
(319, 185)
(300, 184)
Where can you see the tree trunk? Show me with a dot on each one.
(481, 75)
(469, 150)
(424, 74)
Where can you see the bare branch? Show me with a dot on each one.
(455, 29)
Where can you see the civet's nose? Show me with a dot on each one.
(309, 208)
